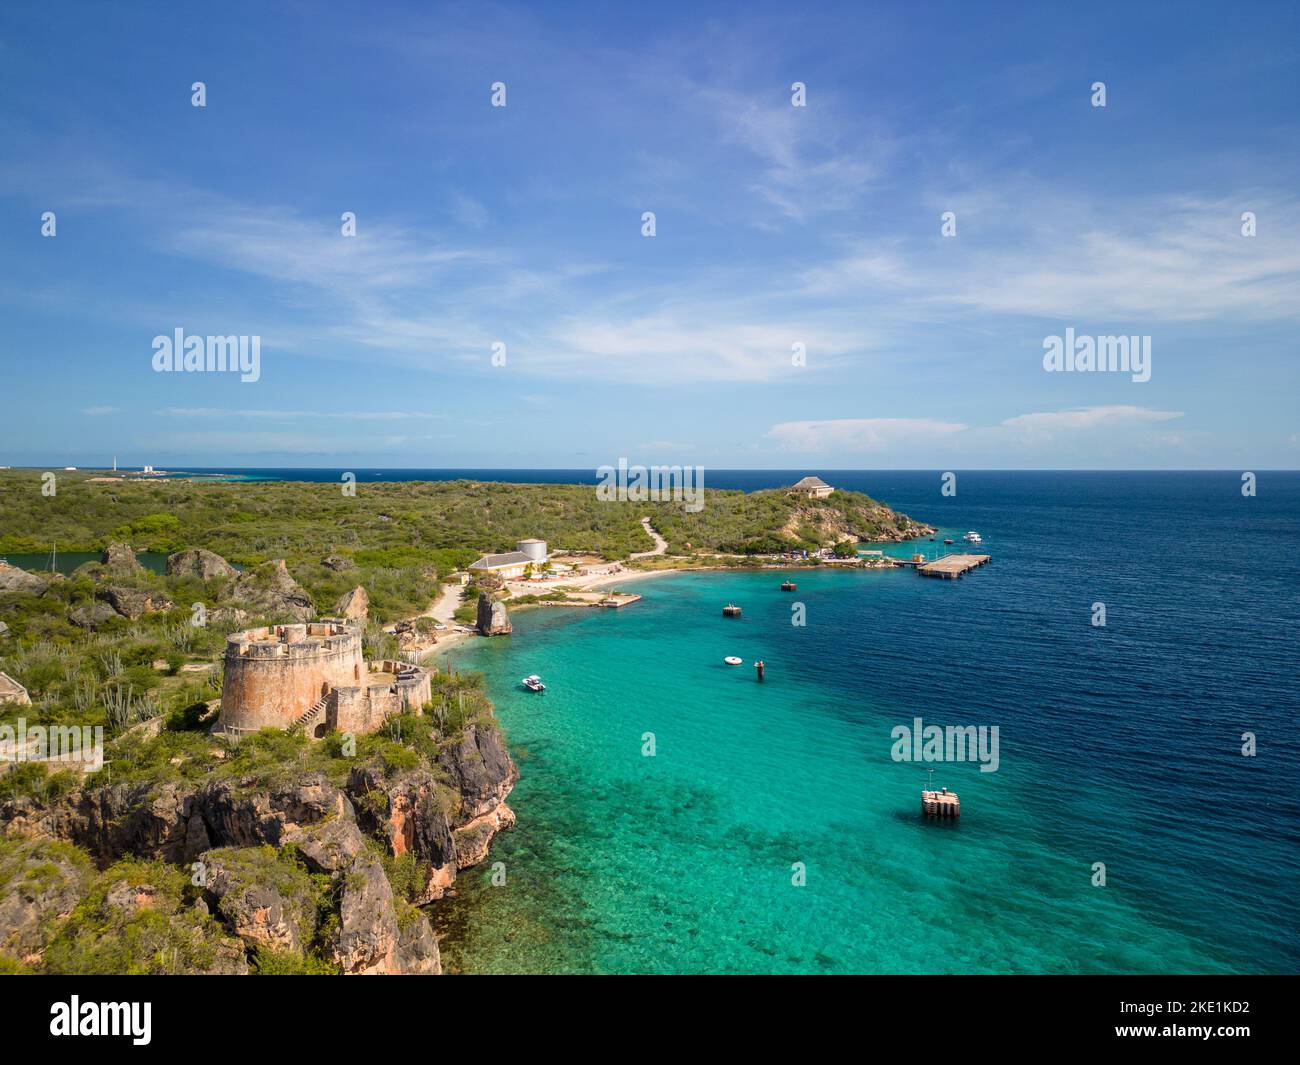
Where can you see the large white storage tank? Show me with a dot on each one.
(534, 549)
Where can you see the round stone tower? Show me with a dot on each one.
(275, 675)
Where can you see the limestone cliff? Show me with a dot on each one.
(443, 815)
(271, 857)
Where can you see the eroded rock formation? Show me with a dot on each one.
(492, 617)
(92, 615)
(204, 565)
(134, 602)
(354, 605)
(13, 579)
(269, 590)
(118, 558)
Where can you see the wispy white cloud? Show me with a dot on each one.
(859, 434)
(876, 435)
(1090, 418)
(1177, 259)
(813, 160)
(693, 341)
(468, 211)
(286, 415)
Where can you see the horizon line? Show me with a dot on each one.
(187, 468)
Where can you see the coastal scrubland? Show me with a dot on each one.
(396, 524)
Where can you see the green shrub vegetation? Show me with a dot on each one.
(169, 936)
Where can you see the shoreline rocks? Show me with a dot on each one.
(492, 620)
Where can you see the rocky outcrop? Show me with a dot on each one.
(480, 769)
(338, 563)
(92, 615)
(270, 591)
(134, 602)
(417, 946)
(13, 579)
(447, 819)
(355, 605)
(118, 558)
(199, 563)
(107, 822)
(230, 616)
(265, 902)
(492, 617)
(328, 847)
(413, 816)
(175, 822)
(414, 813)
(474, 840)
(40, 884)
(367, 942)
(237, 815)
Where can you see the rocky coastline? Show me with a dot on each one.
(286, 870)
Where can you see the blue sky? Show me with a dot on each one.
(775, 225)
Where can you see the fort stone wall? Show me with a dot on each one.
(272, 676)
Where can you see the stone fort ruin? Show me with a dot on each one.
(312, 675)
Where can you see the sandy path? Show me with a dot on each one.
(442, 608)
(661, 545)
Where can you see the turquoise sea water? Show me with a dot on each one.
(1118, 745)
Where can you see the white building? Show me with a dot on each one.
(514, 564)
(813, 486)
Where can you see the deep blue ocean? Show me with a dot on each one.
(1119, 744)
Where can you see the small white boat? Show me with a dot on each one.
(732, 660)
(534, 683)
(973, 537)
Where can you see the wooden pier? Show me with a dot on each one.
(940, 803)
(952, 566)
